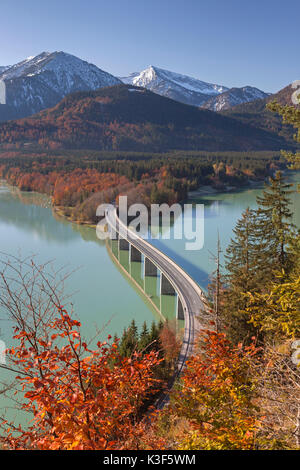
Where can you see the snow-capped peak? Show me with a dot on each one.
(27, 65)
(145, 77)
(41, 81)
(174, 85)
(64, 66)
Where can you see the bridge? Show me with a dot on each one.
(174, 281)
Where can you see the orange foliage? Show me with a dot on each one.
(81, 398)
(67, 188)
(217, 396)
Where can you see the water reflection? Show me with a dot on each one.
(146, 285)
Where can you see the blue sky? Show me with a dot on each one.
(230, 42)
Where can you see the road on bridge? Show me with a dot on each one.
(190, 294)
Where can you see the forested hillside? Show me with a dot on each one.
(129, 118)
(79, 181)
(258, 115)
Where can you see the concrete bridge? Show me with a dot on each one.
(174, 281)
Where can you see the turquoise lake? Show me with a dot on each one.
(101, 294)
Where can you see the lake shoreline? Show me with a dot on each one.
(210, 190)
(203, 191)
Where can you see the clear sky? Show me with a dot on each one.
(230, 42)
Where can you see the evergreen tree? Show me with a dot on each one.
(242, 275)
(260, 250)
(133, 329)
(273, 227)
(129, 340)
(144, 337)
(154, 335)
(241, 253)
(132, 340)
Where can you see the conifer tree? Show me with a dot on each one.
(242, 275)
(273, 226)
(129, 340)
(154, 335)
(261, 254)
(144, 337)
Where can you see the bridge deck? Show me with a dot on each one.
(190, 294)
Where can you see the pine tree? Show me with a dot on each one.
(133, 329)
(154, 335)
(129, 340)
(257, 253)
(147, 341)
(242, 275)
(144, 337)
(241, 253)
(273, 226)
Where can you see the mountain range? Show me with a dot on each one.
(69, 90)
(40, 82)
(130, 118)
(192, 91)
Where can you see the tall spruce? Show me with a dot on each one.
(144, 337)
(258, 252)
(273, 227)
(242, 276)
(129, 340)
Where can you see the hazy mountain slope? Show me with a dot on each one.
(233, 97)
(40, 82)
(256, 114)
(129, 118)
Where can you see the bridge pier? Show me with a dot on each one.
(149, 268)
(166, 287)
(179, 309)
(135, 263)
(135, 254)
(123, 252)
(123, 244)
